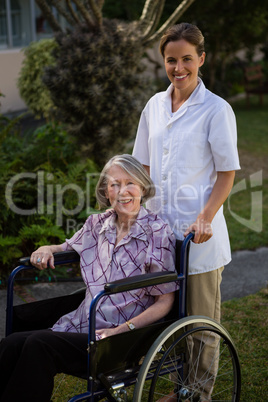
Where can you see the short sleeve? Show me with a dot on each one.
(66, 247)
(223, 139)
(76, 241)
(141, 148)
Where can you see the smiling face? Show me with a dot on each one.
(182, 64)
(124, 193)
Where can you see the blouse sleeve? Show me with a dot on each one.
(161, 256)
(66, 247)
(77, 240)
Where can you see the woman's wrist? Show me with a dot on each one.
(205, 217)
(122, 328)
(55, 249)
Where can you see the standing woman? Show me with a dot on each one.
(187, 141)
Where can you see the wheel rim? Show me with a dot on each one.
(167, 369)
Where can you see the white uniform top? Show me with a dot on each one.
(185, 150)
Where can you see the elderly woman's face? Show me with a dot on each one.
(123, 192)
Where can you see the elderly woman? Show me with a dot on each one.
(124, 241)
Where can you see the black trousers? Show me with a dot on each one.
(30, 360)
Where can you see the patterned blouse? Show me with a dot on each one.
(148, 247)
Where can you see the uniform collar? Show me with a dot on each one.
(139, 230)
(197, 96)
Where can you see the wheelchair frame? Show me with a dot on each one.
(162, 345)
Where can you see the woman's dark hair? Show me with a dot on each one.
(190, 33)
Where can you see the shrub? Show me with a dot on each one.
(40, 171)
(97, 86)
(30, 84)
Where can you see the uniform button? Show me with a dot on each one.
(165, 151)
(165, 202)
(169, 126)
(164, 177)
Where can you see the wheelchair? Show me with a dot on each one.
(148, 363)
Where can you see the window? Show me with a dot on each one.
(21, 22)
(42, 27)
(15, 23)
(3, 24)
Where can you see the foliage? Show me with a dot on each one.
(45, 189)
(228, 26)
(91, 15)
(99, 96)
(32, 90)
(247, 28)
(123, 10)
(9, 248)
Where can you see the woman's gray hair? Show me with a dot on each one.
(134, 168)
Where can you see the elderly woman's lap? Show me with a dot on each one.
(34, 358)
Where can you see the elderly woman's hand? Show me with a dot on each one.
(42, 258)
(104, 333)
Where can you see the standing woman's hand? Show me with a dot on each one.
(221, 190)
(202, 230)
(42, 258)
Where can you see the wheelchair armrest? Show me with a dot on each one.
(59, 258)
(63, 257)
(140, 281)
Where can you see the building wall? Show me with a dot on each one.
(10, 65)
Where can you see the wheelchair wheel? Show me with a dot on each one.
(174, 364)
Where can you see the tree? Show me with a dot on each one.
(97, 83)
(228, 26)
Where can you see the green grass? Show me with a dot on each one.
(252, 125)
(241, 235)
(246, 320)
(249, 232)
(66, 387)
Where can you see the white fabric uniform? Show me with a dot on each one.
(185, 150)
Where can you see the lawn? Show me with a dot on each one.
(246, 320)
(246, 210)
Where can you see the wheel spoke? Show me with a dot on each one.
(198, 362)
